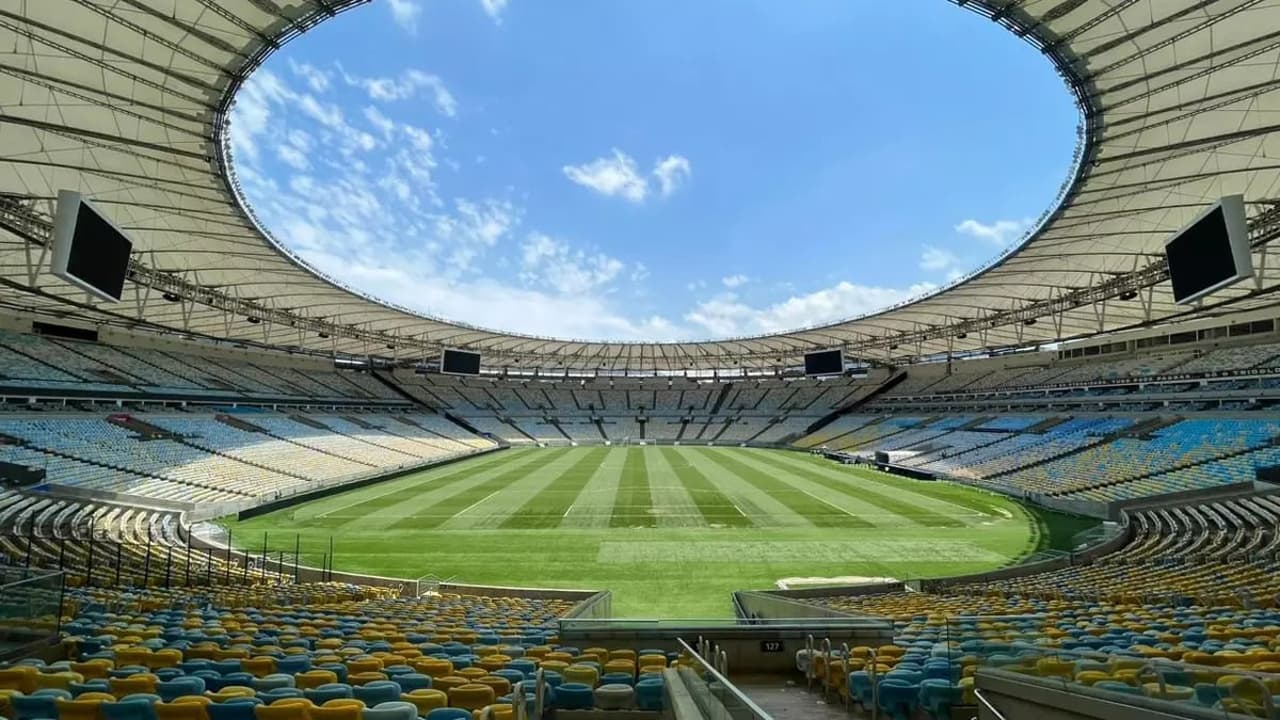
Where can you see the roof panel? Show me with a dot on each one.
(126, 100)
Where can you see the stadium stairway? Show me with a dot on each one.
(728, 422)
(767, 427)
(1145, 429)
(555, 423)
(837, 439)
(721, 397)
(508, 422)
(238, 424)
(145, 431)
(397, 389)
(850, 408)
(304, 420)
(1047, 424)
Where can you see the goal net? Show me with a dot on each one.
(429, 584)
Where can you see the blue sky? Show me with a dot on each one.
(651, 169)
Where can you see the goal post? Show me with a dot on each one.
(429, 584)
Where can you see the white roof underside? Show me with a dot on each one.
(126, 100)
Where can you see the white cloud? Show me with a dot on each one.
(553, 264)
(614, 176)
(405, 13)
(935, 259)
(473, 229)
(384, 124)
(296, 149)
(619, 176)
(317, 79)
(671, 172)
(251, 116)
(1000, 232)
(375, 221)
(725, 315)
(362, 204)
(405, 86)
(494, 8)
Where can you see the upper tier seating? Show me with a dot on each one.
(1234, 358)
(32, 361)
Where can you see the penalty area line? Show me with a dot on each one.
(827, 503)
(474, 504)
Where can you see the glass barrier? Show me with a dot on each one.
(30, 608)
(675, 625)
(701, 670)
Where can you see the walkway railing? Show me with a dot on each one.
(704, 671)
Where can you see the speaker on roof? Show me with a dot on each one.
(89, 250)
(1211, 252)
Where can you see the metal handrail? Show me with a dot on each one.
(875, 687)
(844, 699)
(1268, 703)
(808, 670)
(826, 665)
(517, 700)
(987, 704)
(1151, 666)
(724, 682)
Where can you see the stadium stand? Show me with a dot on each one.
(1159, 416)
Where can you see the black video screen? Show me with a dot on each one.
(827, 362)
(1201, 256)
(99, 253)
(460, 363)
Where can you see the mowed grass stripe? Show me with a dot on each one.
(414, 485)
(633, 502)
(888, 503)
(715, 506)
(943, 491)
(548, 506)
(816, 511)
(594, 505)
(932, 496)
(438, 513)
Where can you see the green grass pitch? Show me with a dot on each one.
(672, 531)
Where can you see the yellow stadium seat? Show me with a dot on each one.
(261, 666)
(21, 678)
(426, 700)
(448, 682)
(314, 679)
(180, 711)
(134, 684)
(58, 680)
(472, 696)
(79, 709)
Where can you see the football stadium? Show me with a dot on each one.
(235, 487)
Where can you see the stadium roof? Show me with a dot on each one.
(127, 101)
